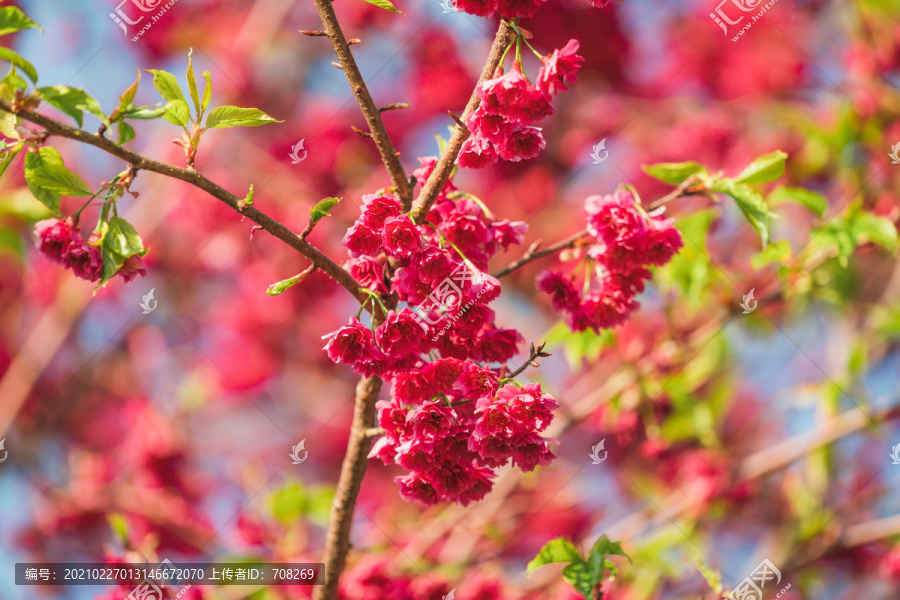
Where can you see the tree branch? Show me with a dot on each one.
(533, 254)
(337, 542)
(441, 173)
(389, 155)
(194, 178)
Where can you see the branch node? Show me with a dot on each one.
(313, 33)
(361, 133)
(394, 106)
(337, 65)
(352, 41)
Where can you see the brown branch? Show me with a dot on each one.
(389, 155)
(194, 178)
(533, 254)
(441, 173)
(536, 353)
(689, 187)
(337, 542)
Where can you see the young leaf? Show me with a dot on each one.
(779, 252)
(320, 210)
(13, 19)
(768, 167)
(9, 155)
(72, 101)
(13, 82)
(166, 84)
(558, 550)
(177, 113)
(674, 173)
(35, 160)
(112, 262)
(128, 95)
(146, 113)
(385, 4)
(248, 200)
(126, 132)
(59, 179)
(811, 200)
(579, 575)
(232, 116)
(607, 548)
(192, 83)
(751, 204)
(8, 125)
(14, 58)
(207, 93)
(867, 227)
(122, 238)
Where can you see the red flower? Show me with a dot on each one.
(559, 69)
(377, 209)
(477, 153)
(400, 334)
(401, 237)
(362, 239)
(563, 295)
(513, 96)
(354, 345)
(479, 8)
(60, 242)
(368, 272)
(522, 143)
(132, 267)
(519, 8)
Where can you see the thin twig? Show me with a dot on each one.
(536, 353)
(388, 154)
(194, 178)
(532, 254)
(441, 173)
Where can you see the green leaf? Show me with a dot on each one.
(35, 160)
(751, 204)
(72, 101)
(811, 200)
(14, 58)
(207, 93)
(608, 548)
(320, 210)
(287, 504)
(128, 95)
(674, 173)
(126, 132)
(385, 4)
(192, 83)
(8, 123)
(231, 116)
(557, 550)
(122, 238)
(177, 113)
(579, 575)
(145, 113)
(713, 580)
(9, 155)
(167, 85)
(867, 227)
(779, 253)
(768, 167)
(13, 19)
(59, 179)
(119, 525)
(13, 81)
(112, 262)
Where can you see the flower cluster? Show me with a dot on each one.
(60, 242)
(628, 241)
(503, 124)
(506, 8)
(450, 423)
